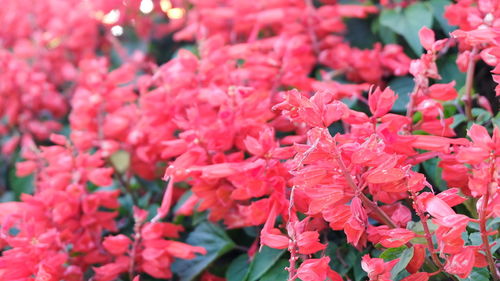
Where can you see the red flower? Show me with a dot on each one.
(419, 276)
(308, 242)
(417, 261)
(271, 236)
(461, 263)
(377, 269)
(381, 101)
(111, 271)
(426, 36)
(356, 225)
(117, 245)
(317, 270)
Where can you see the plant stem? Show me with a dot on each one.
(482, 225)
(366, 201)
(133, 251)
(468, 84)
(292, 247)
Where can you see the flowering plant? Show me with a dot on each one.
(242, 141)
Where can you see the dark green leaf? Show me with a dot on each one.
(433, 172)
(481, 115)
(417, 16)
(496, 120)
(404, 259)
(262, 262)
(394, 20)
(449, 71)
(277, 272)
(402, 86)
(359, 33)
(386, 34)
(438, 8)
(478, 274)
(408, 22)
(20, 185)
(359, 273)
(213, 239)
(457, 120)
(238, 269)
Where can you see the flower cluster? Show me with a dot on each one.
(275, 122)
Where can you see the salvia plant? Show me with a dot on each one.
(249, 140)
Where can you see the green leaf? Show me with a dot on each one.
(386, 34)
(496, 120)
(359, 33)
(433, 172)
(496, 245)
(449, 109)
(493, 223)
(478, 274)
(392, 253)
(238, 269)
(403, 86)
(449, 71)
(20, 185)
(475, 239)
(213, 239)
(438, 8)
(481, 115)
(418, 228)
(408, 22)
(277, 272)
(394, 20)
(457, 120)
(417, 16)
(404, 259)
(359, 273)
(263, 261)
